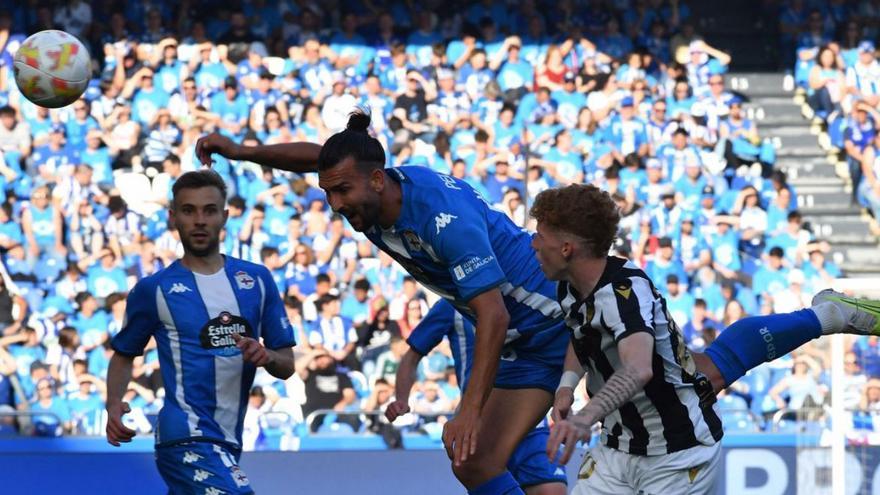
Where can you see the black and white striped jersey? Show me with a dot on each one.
(667, 415)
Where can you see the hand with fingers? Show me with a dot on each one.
(562, 404)
(252, 351)
(117, 432)
(460, 435)
(568, 432)
(396, 409)
(215, 143)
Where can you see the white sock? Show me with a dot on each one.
(830, 317)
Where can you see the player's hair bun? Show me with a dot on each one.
(358, 121)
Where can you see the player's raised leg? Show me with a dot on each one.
(485, 472)
(752, 341)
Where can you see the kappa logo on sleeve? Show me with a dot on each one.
(442, 220)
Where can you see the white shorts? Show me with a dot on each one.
(606, 471)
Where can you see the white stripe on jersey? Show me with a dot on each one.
(535, 300)
(262, 305)
(174, 342)
(217, 295)
(624, 302)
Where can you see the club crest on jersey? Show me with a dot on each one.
(244, 280)
(413, 240)
(239, 477)
(218, 334)
(624, 288)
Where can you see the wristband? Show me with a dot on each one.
(569, 379)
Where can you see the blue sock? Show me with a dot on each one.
(759, 339)
(503, 484)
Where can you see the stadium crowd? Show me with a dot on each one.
(511, 98)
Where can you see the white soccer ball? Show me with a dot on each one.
(52, 68)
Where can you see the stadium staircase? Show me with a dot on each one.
(820, 179)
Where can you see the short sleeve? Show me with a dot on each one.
(277, 332)
(461, 239)
(628, 307)
(430, 331)
(140, 322)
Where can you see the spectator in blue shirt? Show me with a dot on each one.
(664, 264)
(857, 137)
(771, 277)
(679, 302)
(106, 276)
(356, 305)
(334, 333)
(232, 108)
(58, 419)
(699, 320)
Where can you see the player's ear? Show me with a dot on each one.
(377, 179)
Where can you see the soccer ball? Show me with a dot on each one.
(52, 68)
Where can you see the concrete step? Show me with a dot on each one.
(862, 254)
(840, 208)
(757, 83)
(821, 196)
(837, 226)
(761, 111)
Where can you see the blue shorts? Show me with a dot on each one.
(534, 361)
(200, 468)
(529, 463)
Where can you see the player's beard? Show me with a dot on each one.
(211, 248)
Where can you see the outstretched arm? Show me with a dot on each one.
(294, 157)
(406, 377)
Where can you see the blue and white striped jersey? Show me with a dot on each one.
(455, 244)
(193, 318)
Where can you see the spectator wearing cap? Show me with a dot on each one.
(863, 78)
(666, 216)
(232, 109)
(265, 98)
(704, 62)
(678, 154)
(54, 158)
(249, 69)
(626, 132)
(725, 246)
(570, 100)
(338, 105)
(146, 98)
(170, 71)
(665, 263)
(679, 302)
(515, 75)
(209, 73)
(655, 184)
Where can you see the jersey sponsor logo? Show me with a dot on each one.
(239, 477)
(218, 334)
(624, 289)
(190, 457)
(470, 266)
(244, 280)
(449, 182)
(442, 220)
(413, 240)
(179, 288)
(201, 475)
